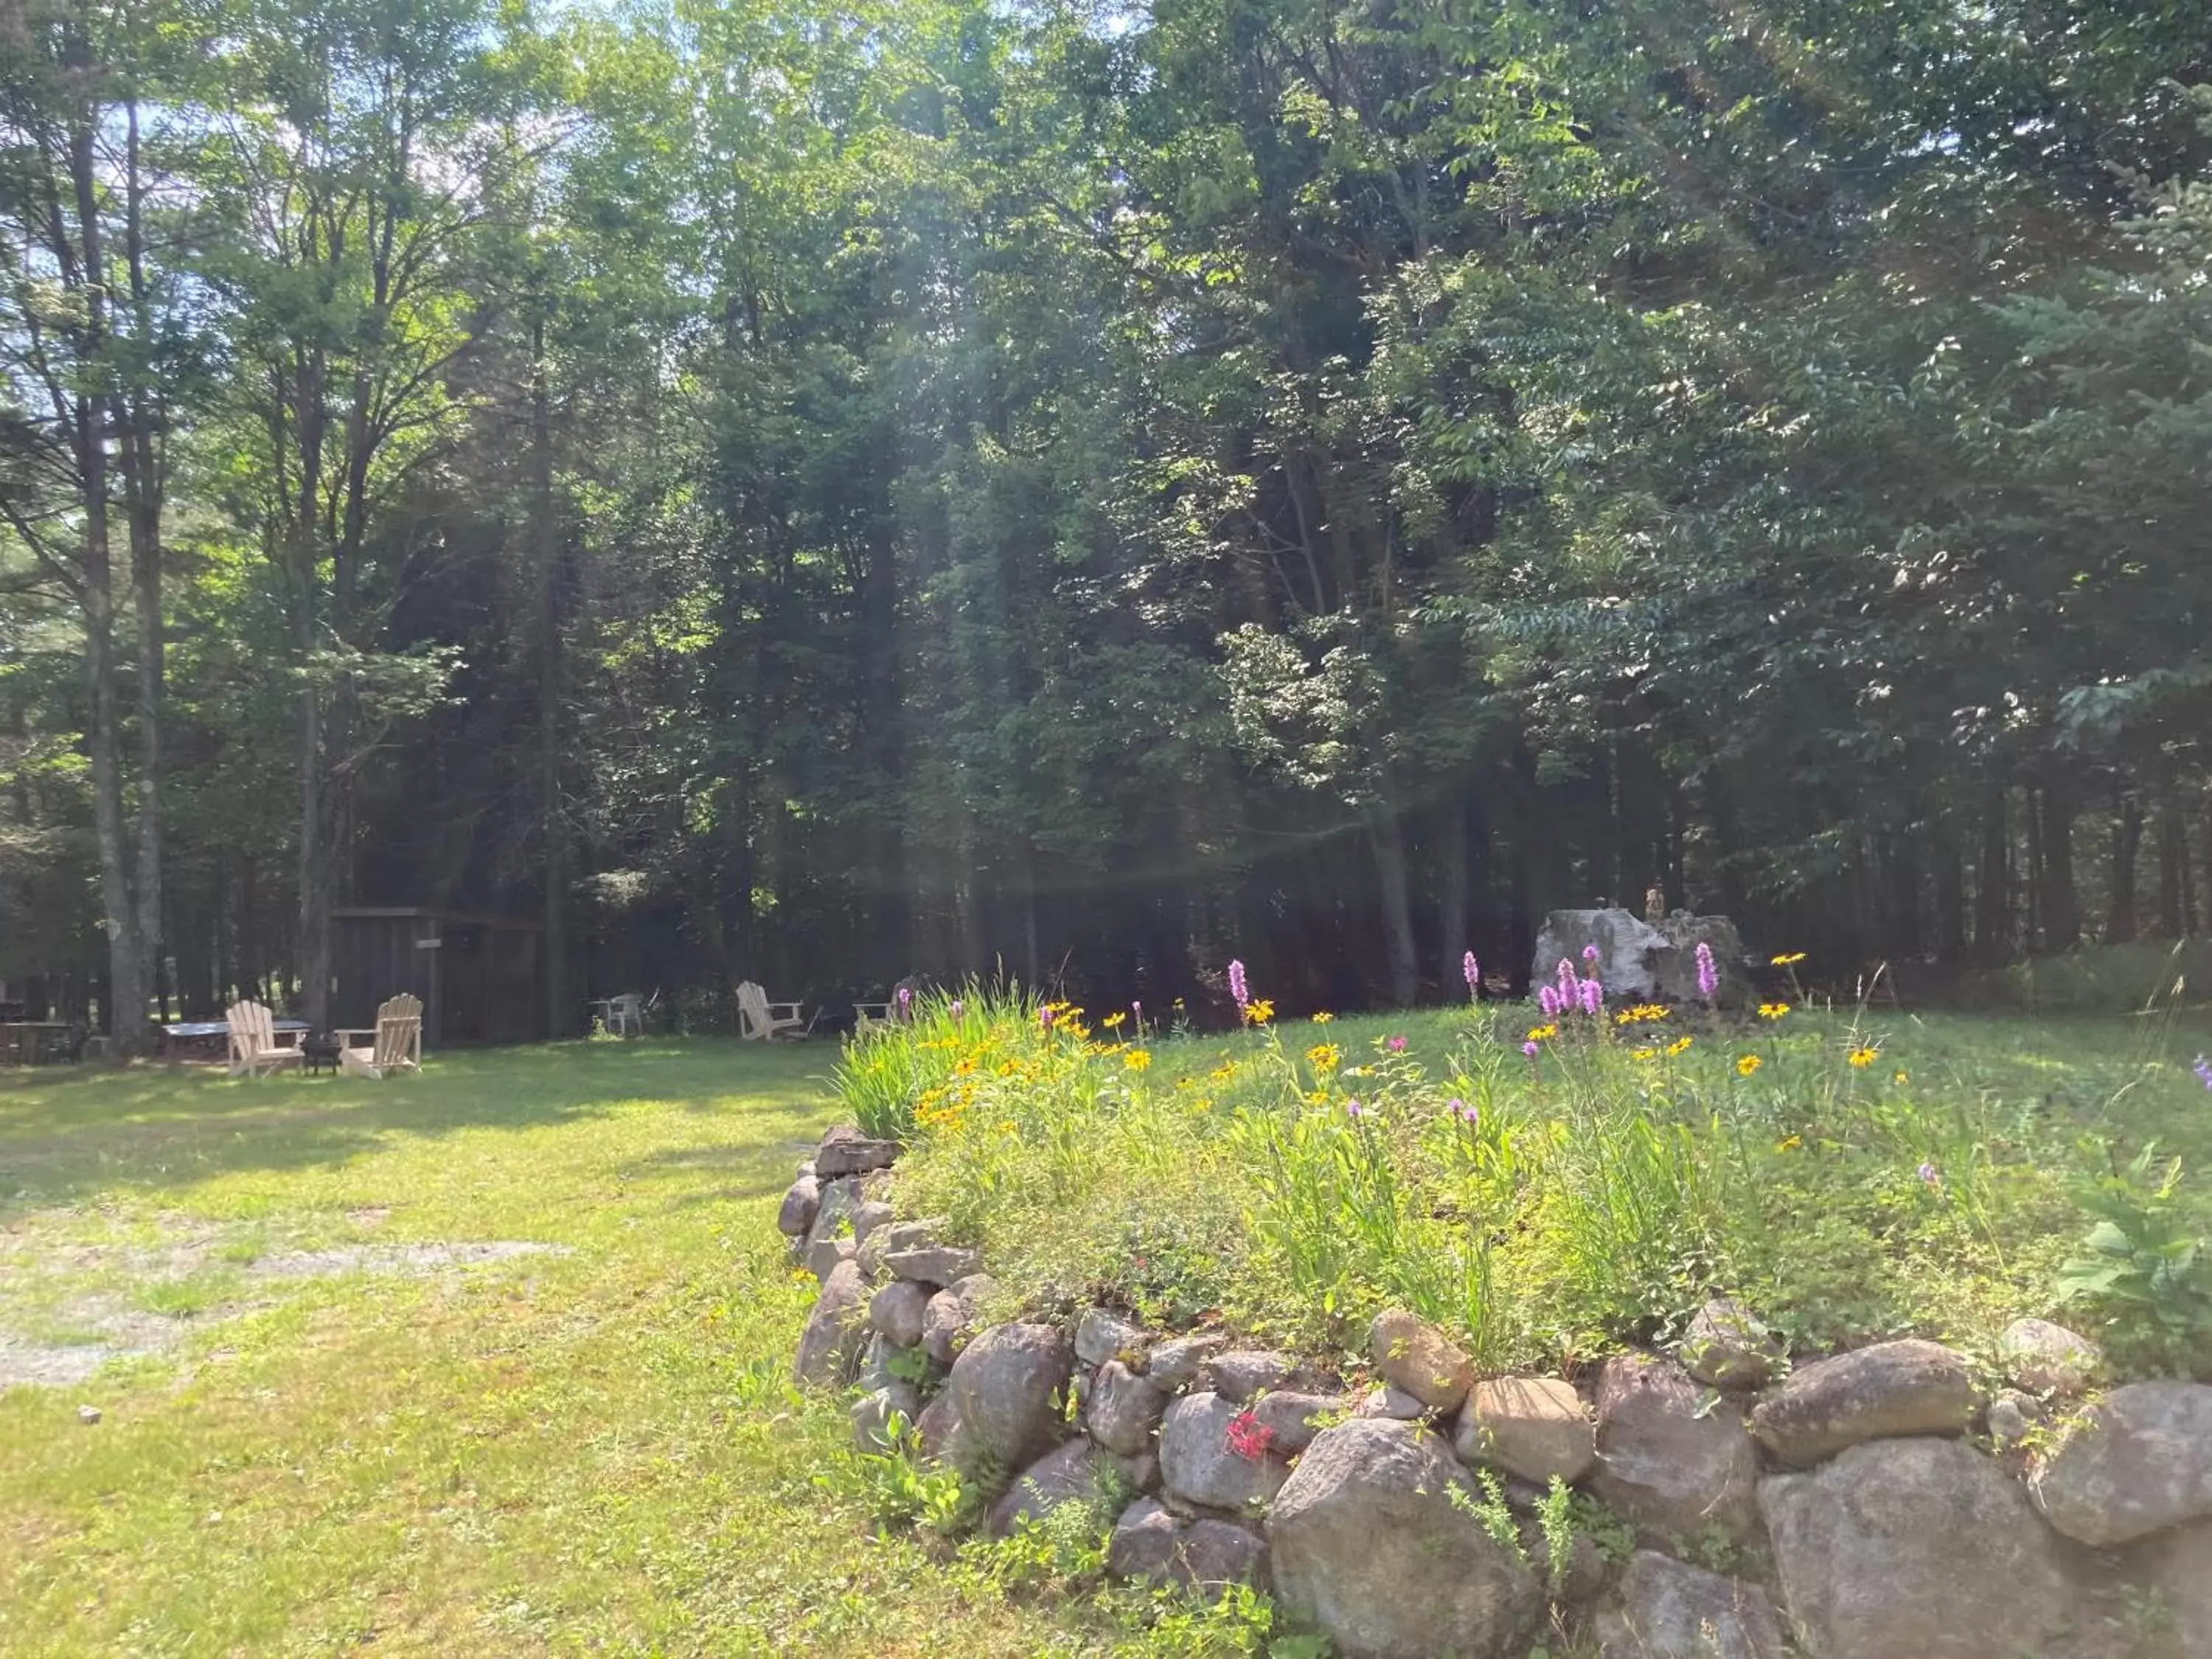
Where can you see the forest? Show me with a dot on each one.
(823, 493)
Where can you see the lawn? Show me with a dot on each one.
(351, 1432)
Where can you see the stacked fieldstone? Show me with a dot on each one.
(1856, 1513)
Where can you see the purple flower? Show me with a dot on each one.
(1548, 1000)
(2203, 1069)
(1397, 1045)
(1473, 970)
(905, 1001)
(956, 1010)
(1593, 996)
(1466, 1113)
(1709, 975)
(1353, 1111)
(1044, 1018)
(1237, 988)
(1589, 953)
(1929, 1176)
(1137, 1012)
(1530, 1049)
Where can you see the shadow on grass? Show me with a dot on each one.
(64, 1136)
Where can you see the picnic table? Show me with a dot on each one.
(28, 1041)
(211, 1038)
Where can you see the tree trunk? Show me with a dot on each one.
(1950, 897)
(2172, 864)
(1387, 838)
(2127, 841)
(2062, 902)
(552, 821)
(1451, 890)
(142, 491)
(1992, 887)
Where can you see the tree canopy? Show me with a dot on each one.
(819, 493)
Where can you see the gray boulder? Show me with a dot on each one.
(836, 1331)
(1073, 1473)
(2013, 1416)
(1196, 1461)
(2136, 1462)
(943, 1437)
(1671, 1610)
(846, 1152)
(1387, 1402)
(1176, 1363)
(933, 1264)
(890, 1235)
(2046, 1358)
(1294, 1418)
(1532, 1427)
(833, 1216)
(873, 1412)
(1728, 1348)
(1417, 1358)
(1150, 1543)
(795, 1219)
(1123, 1410)
(2180, 1570)
(1882, 1393)
(824, 1253)
(1103, 1334)
(1243, 1372)
(1918, 1547)
(1671, 1459)
(870, 1215)
(949, 1315)
(1369, 1545)
(1628, 951)
(1007, 1383)
(897, 1310)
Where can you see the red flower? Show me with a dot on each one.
(1248, 1438)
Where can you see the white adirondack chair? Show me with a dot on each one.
(255, 1047)
(396, 1044)
(759, 1017)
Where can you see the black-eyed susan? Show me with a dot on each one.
(1861, 1057)
(1772, 1010)
(1324, 1056)
(1113, 1021)
(1790, 1144)
(1137, 1059)
(1643, 1054)
(1900, 1077)
(1323, 1017)
(1542, 1033)
(1747, 1064)
(1259, 1010)
(1679, 1045)
(1788, 959)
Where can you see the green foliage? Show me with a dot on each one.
(1491, 1513)
(2144, 1260)
(901, 1490)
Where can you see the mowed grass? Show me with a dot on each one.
(593, 1451)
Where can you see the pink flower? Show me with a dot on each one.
(1397, 1045)
(1530, 1049)
(1353, 1111)
(1237, 988)
(1548, 1000)
(1473, 970)
(1589, 953)
(1593, 996)
(1709, 975)
(956, 1009)
(1248, 1438)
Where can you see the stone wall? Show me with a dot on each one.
(1895, 1502)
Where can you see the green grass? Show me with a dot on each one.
(1944, 1187)
(587, 1451)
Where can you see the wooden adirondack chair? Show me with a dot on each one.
(255, 1047)
(759, 1017)
(396, 1044)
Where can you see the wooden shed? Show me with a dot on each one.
(482, 979)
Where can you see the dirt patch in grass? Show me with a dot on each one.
(73, 1306)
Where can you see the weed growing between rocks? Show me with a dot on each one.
(1545, 1188)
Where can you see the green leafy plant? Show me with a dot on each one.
(1492, 1513)
(2141, 1257)
(902, 1492)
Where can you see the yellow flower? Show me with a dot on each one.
(1862, 1056)
(1772, 1010)
(1898, 1077)
(1745, 1064)
(1542, 1033)
(1641, 1013)
(1323, 1017)
(1790, 960)
(1678, 1045)
(1137, 1059)
(1113, 1021)
(1259, 1010)
(965, 1065)
(1223, 1073)
(1643, 1054)
(1324, 1056)
(1790, 1145)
